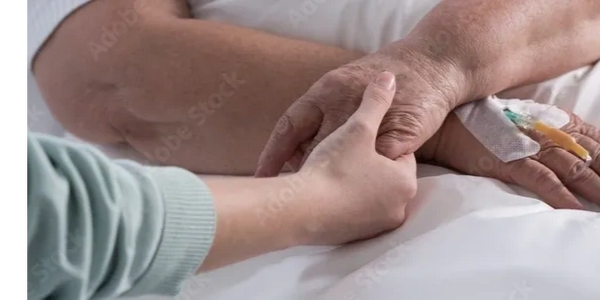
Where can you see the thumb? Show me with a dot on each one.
(376, 101)
(365, 122)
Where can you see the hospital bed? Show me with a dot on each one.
(465, 237)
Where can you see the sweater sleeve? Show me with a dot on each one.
(102, 229)
(43, 16)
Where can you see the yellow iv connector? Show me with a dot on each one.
(561, 138)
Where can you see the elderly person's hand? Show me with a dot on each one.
(554, 173)
(427, 90)
(368, 192)
(461, 51)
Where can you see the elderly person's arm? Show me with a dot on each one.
(461, 51)
(193, 93)
(205, 95)
(503, 44)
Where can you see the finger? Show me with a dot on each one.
(572, 172)
(593, 147)
(296, 161)
(590, 131)
(407, 163)
(376, 102)
(410, 125)
(321, 135)
(388, 145)
(535, 177)
(299, 123)
(570, 169)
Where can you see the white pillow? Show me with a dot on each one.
(362, 25)
(39, 118)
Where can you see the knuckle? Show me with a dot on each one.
(578, 172)
(547, 151)
(405, 186)
(545, 178)
(595, 153)
(380, 97)
(358, 127)
(396, 216)
(591, 131)
(285, 125)
(333, 77)
(513, 169)
(411, 189)
(404, 125)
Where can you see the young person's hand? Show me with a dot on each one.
(357, 192)
(345, 191)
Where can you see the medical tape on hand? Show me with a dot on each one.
(485, 119)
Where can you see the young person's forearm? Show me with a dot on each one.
(138, 230)
(503, 44)
(182, 91)
(256, 216)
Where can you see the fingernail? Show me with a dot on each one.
(386, 80)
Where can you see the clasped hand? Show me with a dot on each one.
(428, 89)
(358, 192)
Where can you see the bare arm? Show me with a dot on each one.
(193, 93)
(166, 85)
(504, 44)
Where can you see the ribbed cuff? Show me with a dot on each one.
(189, 230)
(43, 16)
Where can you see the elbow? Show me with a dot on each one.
(85, 93)
(82, 104)
(85, 110)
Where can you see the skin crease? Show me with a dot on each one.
(131, 97)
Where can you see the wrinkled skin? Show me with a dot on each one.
(369, 192)
(425, 95)
(554, 173)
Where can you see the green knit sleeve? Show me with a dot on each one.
(99, 228)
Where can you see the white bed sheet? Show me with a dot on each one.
(465, 238)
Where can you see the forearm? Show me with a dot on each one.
(224, 86)
(223, 117)
(134, 230)
(257, 216)
(503, 44)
